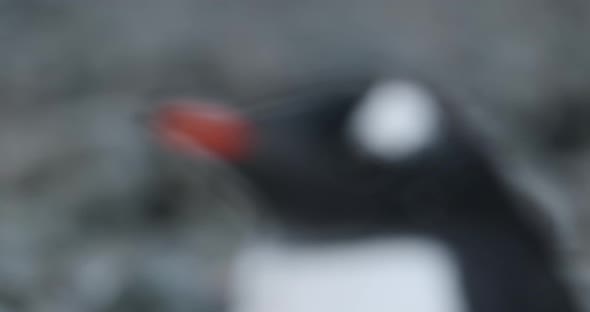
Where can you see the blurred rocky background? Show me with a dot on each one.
(94, 216)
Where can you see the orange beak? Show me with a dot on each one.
(199, 128)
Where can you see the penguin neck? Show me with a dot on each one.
(443, 187)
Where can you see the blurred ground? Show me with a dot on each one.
(94, 217)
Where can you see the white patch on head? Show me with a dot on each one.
(395, 120)
(404, 274)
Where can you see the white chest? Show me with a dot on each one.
(402, 274)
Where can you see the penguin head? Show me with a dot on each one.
(388, 121)
(321, 154)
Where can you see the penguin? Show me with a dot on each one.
(378, 196)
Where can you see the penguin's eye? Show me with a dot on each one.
(395, 120)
